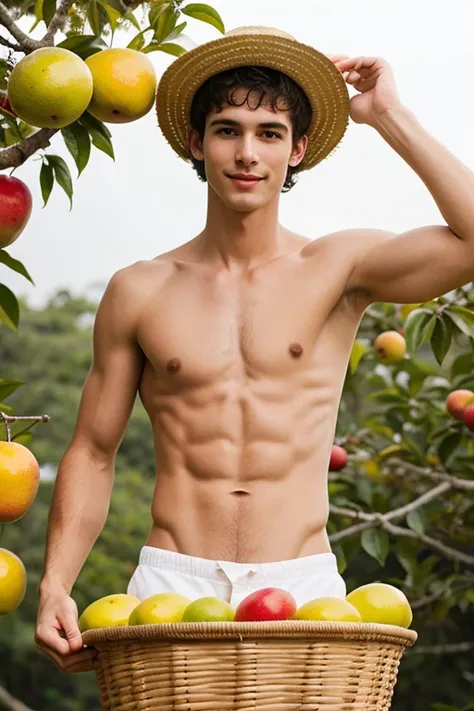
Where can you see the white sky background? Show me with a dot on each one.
(150, 201)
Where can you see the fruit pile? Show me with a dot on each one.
(374, 602)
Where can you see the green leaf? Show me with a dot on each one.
(112, 13)
(168, 47)
(93, 17)
(358, 350)
(156, 9)
(462, 365)
(46, 181)
(131, 18)
(7, 387)
(14, 264)
(99, 133)
(415, 521)
(376, 543)
(9, 308)
(449, 445)
(406, 554)
(38, 14)
(441, 338)
(138, 41)
(165, 23)
(49, 8)
(462, 318)
(205, 13)
(78, 144)
(62, 175)
(84, 45)
(176, 32)
(419, 328)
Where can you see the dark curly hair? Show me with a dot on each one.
(219, 90)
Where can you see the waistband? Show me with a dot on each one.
(208, 568)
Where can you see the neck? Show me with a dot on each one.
(238, 241)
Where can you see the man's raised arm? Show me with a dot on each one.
(84, 481)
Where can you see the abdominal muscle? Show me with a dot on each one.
(242, 479)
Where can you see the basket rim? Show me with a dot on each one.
(219, 631)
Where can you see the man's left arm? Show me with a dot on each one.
(425, 262)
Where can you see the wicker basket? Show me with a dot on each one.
(248, 666)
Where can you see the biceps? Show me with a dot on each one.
(107, 401)
(416, 266)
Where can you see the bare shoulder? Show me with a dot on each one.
(346, 246)
(354, 241)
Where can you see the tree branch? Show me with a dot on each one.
(10, 45)
(26, 43)
(447, 551)
(17, 154)
(455, 481)
(57, 22)
(383, 521)
(9, 701)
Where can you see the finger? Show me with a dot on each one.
(49, 637)
(67, 663)
(337, 57)
(357, 63)
(71, 630)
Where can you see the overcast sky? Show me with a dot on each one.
(150, 201)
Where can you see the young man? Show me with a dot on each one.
(238, 340)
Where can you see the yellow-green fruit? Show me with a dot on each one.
(108, 611)
(329, 609)
(12, 581)
(390, 347)
(382, 603)
(162, 607)
(124, 85)
(50, 88)
(209, 609)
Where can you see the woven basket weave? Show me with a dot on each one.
(248, 666)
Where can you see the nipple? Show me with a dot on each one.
(173, 365)
(295, 350)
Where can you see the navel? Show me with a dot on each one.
(173, 365)
(295, 350)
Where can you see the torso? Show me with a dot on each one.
(242, 383)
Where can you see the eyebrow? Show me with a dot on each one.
(231, 122)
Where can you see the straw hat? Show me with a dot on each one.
(317, 75)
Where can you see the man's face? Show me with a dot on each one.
(236, 140)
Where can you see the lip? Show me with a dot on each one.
(244, 183)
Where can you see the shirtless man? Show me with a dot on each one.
(238, 343)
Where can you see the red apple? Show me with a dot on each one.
(468, 417)
(15, 209)
(457, 401)
(338, 458)
(266, 604)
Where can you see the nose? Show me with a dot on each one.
(246, 152)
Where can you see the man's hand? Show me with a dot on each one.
(373, 78)
(57, 616)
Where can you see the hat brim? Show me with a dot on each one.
(316, 74)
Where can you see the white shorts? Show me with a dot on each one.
(305, 578)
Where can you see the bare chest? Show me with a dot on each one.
(199, 329)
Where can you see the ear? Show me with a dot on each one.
(195, 144)
(297, 154)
